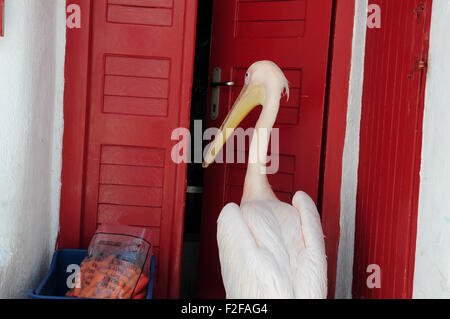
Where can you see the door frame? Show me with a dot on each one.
(76, 113)
(334, 130)
(76, 95)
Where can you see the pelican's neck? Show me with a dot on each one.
(256, 185)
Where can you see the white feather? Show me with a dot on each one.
(262, 251)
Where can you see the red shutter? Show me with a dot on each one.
(391, 138)
(295, 35)
(1, 17)
(138, 90)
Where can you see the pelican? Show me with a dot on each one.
(268, 249)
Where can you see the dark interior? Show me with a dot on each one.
(195, 171)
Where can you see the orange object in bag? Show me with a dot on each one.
(117, 265)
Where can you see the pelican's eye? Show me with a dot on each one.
(247, 78)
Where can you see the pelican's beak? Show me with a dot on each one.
(250, 97)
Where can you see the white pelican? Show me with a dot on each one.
(267, 248)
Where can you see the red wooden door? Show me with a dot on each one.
(295, 35)
(139, 83)
(391, 138)
(1, 17)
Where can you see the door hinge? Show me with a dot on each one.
(194, 190)
(420, 65)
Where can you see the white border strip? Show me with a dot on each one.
(432, 265)
(344, 272)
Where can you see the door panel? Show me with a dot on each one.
(295, 35)
(139, 83)
(389, 160)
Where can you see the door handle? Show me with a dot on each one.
(216, 84)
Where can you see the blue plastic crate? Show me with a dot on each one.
(54, 285)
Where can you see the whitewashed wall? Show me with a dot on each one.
(350, 161)
(31, 123)
(432, 267)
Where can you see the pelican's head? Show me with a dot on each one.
(263, 79)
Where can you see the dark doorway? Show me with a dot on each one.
(195, 172)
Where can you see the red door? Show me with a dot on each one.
(138, 91)
(391, 138)
(295, 35)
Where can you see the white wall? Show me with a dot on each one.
(432, 267)
(31, 123)
(344, 272)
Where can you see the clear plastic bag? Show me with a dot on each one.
(117, 265)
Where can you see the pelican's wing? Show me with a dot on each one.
(248, 271)
(311, 265)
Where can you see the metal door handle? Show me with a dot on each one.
(216, 84)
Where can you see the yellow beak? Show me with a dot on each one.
(250, 97)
